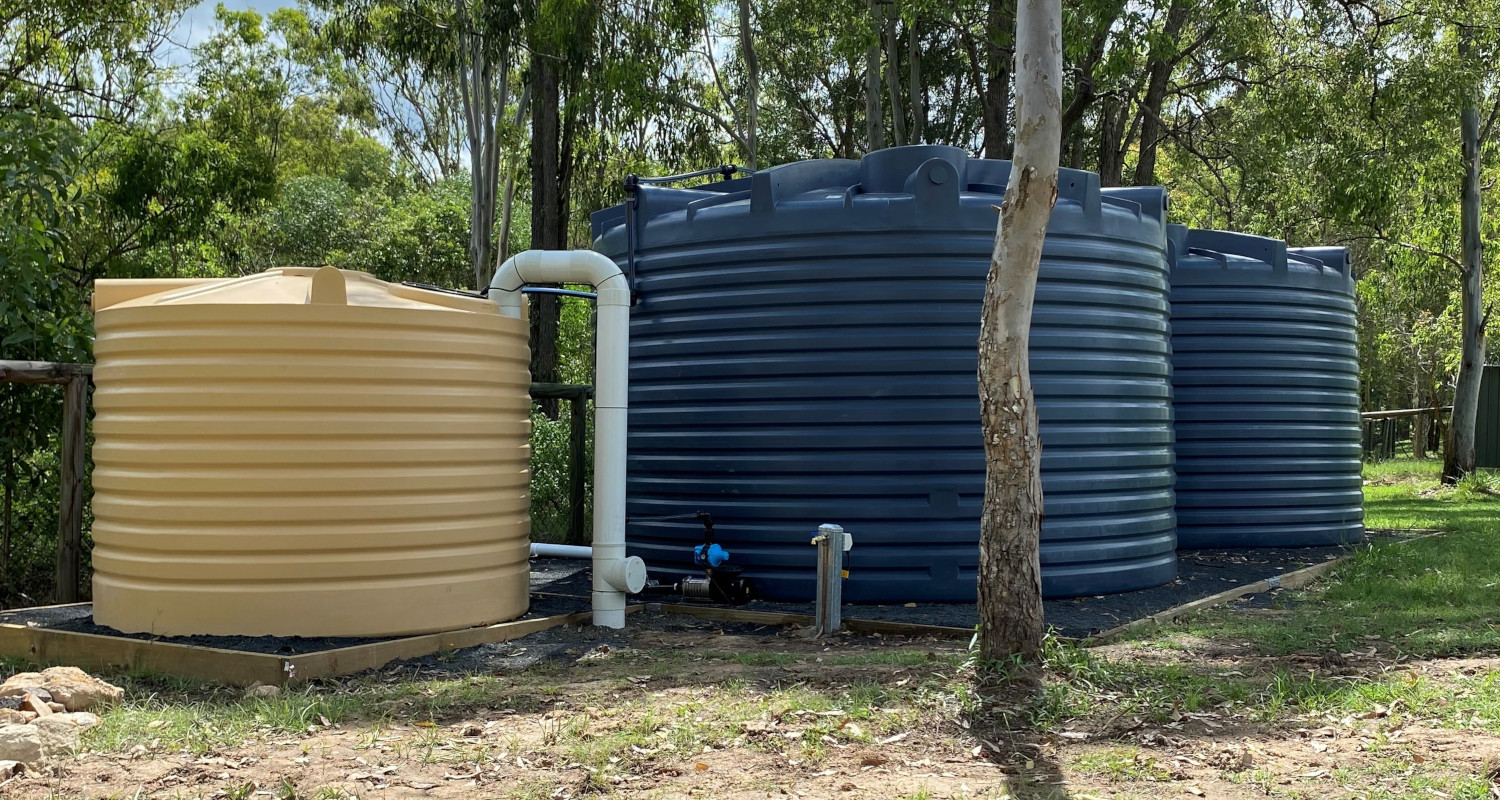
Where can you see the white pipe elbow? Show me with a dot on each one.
(614, 574)
(557, 266)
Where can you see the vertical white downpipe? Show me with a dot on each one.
(614, 574)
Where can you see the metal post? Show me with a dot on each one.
(832, 542)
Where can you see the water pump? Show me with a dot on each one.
(721, 581)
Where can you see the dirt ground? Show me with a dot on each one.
(684, 708)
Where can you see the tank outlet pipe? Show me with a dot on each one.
(614, 573)
(543, 550)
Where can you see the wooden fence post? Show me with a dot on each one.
(70, 482)
(577, 441)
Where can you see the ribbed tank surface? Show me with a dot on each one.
(803, 351)
(1266, 383)
(304, 452)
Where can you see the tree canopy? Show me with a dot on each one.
(425, 140)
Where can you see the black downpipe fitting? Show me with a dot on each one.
(633, 184)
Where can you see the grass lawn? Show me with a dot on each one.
(1434, 597)
(1382, 681)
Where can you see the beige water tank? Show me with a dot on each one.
(307, 452)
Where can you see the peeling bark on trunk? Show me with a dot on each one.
(1000, 24)
(1010, 573)
(1459, 458)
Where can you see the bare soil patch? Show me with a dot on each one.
(676, 707)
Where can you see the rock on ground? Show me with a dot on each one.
(75, 689)
(82, 719)
(57, 736)
(37, 706)
(21, 743)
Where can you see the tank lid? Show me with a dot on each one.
(1335, 258)
(1244, 245)
(287, 286)
(1227, 246)
(933, 176)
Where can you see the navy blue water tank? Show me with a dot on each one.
(804, 351)
(1266, 383)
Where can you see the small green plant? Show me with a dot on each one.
(240, 791)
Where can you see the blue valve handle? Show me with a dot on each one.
(710, 554)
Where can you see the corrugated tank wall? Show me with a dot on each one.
(1266, 393)
(308, 453)
(804, 351)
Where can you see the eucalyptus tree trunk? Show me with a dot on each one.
(476, 80)
(1419, 400)
(893, 78)
(1458, 460)
(918, 92)
(508, 201)
(1010, 572)
(1163, 60)
(1112, 119)
(752, 85)
(874, 118)
(548, 231)
(1000, 21)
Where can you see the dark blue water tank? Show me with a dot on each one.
(804, 352)
(1266, 382)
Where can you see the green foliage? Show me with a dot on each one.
(170, 187)
(334, 133)
(311, 219)
(422, 236)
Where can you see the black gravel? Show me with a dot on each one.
(562, 587)
(1200, 574)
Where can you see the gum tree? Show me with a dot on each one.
(1010, 573)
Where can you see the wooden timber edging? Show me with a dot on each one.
(242, 668)
(95, 651)
(1295, 579)
(806, 620)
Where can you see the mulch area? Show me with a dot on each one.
(562, 587)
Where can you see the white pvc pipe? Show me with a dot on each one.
(614, 574)
(543, 550)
